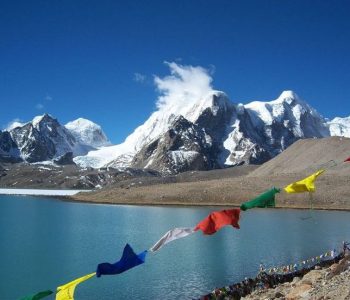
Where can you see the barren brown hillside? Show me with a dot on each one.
(229, 188)
(309, 155)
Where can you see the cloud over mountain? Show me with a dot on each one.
(184, 84)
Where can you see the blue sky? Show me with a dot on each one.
(97, 59)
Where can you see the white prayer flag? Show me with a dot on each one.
(171, 235)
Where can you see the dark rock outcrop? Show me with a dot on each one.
(184, 147)
(65, 159)
(8, 149)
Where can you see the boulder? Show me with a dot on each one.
(299, 292)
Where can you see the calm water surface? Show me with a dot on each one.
(47, 242)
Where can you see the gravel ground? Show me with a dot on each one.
(332, 192)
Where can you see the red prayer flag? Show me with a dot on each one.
(348, 159)
(218, 219)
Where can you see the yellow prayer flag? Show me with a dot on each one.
(66, 292)
(305, 185)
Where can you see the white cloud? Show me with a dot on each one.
(138, 77)
(185, 84)
(48, 98)
(13, 124)
(39, 106)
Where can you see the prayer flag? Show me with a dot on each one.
(348, 159)
(267, 199)
(172, 235)
(66, 292)
(38, 296)
(128, 260)
(305, 185)
(218, 219)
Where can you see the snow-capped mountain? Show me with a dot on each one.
(340, 127)
(88, 133)
(158, 123)
(261, 130)
(202, 132)
(44, 138)
(184, 146)
(213, 132)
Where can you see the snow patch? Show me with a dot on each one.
(37, 192)
(88, 133)
(340, 127)
(179, 157)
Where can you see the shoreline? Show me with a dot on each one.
(75, 196)
(327, 279)
(191, 204)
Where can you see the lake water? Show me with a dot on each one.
(46, 242)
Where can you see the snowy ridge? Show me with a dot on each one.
(191, 130)
(44, 138)
(158, 123)
(13, 125)
(340, 127)
(88, 133)
(261, 130)
(289, 109)
(251, 133)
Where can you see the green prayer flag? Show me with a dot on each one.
(266, 199)
(38, 296)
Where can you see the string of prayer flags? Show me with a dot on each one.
(301, 264)
(38, 296)
(266, 199)
(305, 185)
(217, 219)
(66, 292)
(171, 235)
(128, 260)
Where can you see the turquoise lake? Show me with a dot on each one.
(46, 242)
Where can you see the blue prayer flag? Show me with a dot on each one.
(129, 260)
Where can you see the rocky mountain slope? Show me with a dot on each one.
(309, 155)
(44, 138)
(213, 132)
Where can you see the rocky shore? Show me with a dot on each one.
(328, 283)
(328, 280)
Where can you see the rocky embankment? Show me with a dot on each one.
(326, 280)
(328, 283)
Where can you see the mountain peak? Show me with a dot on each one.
(88, 133)
(83, 121)
(45, 117)
(289, 94)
